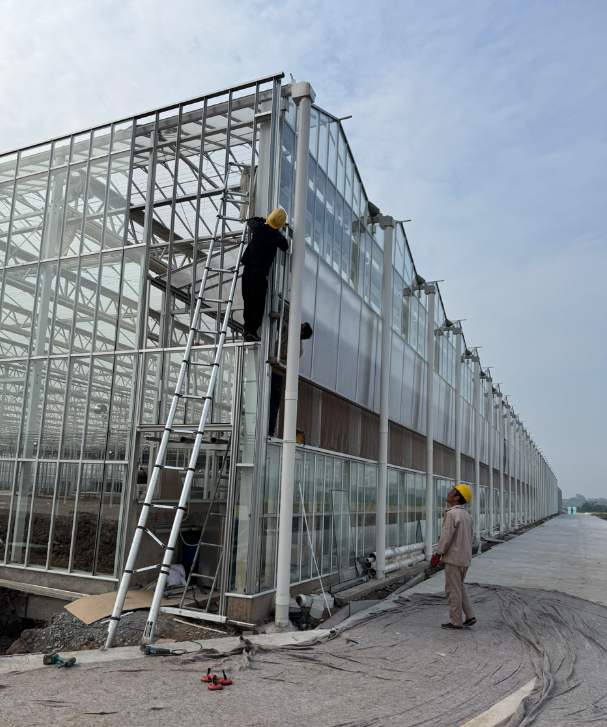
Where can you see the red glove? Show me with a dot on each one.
(434, 560)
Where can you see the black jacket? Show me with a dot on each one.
(261, 250)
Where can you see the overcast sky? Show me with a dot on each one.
(484, 122)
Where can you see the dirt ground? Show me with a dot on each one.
(68, 633)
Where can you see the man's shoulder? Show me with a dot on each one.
(458, 513)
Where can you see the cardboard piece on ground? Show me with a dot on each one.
(91, 608)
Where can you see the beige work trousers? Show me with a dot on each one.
(456, 595)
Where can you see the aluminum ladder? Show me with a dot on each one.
(227, 196)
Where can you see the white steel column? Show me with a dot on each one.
(509, 462)
(430, 292)
(387, 224)
(489, 410)
(458, 405)
(500, 434)
(477, 447)
(515, 431)
(303, 94)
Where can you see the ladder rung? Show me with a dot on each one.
(221, 270)
(211, 545)
(202, 575)
(231, 219)
(202, 363)
(215, 300)
(208, 331)
(240, 194)
(193, 396)
(148, 567)
(179, 469)
(165, 507)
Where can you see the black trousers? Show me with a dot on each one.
(254, 289)
(275, 397)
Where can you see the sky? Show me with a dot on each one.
(484, 123)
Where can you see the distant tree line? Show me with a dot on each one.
(592, 506)
(580, 501)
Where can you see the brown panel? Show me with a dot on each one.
(304, 409)
(354, 439)
(484, 475)
(467, 469)
(496, 479)
(448, 463)
(335, 420)
(437, 459)
(369, 435)
(418, 459)
(397, 452)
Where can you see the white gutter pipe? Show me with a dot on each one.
(396, 551)
(387, 224)
(302, 94)
(431, 294)
(399, 564)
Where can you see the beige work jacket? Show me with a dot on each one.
(455, 544)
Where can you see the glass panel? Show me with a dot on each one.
(43, 316)
(338, 234)
(342, 529)
(267, 552)
(61, 152)
(28, 217)
(33, 409)
(342, 151)
(122, 409)
(12, 384)
(53, 412)
(286, 170)
(376, 278)
(89, 501)
(101, 142)
(86, 305)
(116, 203)
(346, 244)
(132, 282)
(332, 168)
(8, 166)
(329, 223)
(107, 305)
(109, 522)
(17, 308)
(6, 487)
(51, 242)
(74, 218)
(296, 548)
(99, 408)
(73, 426)
(310, 200)
(95, 205)
(313, 132)
(64, 310)
(322, 142)
(242, 512)
(65, 504)
(349, 175)
(41, 515)
(249, 405)
(319, 214)
(6, 202)
(34, 160)
(80, 147)
(26, 473)
(123, 136)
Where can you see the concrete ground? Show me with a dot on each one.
(566, 554)
(537, 656)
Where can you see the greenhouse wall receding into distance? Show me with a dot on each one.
(104, 236)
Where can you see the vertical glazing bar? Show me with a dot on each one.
(500, 434)
(477, 448)
(458, 405)
(489, 410)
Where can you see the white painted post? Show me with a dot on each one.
(303, 94)
(430, 292)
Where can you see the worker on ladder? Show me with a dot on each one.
(257, 261)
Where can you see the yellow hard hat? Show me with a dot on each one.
(277, 218)
(465, 491)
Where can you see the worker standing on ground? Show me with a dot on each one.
(257, 261)
(455, 547)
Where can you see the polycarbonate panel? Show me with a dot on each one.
(396, 377)
(366, 357)
(326, 327)
(349, 331)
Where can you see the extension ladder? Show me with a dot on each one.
(202, 303)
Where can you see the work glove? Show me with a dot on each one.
(434, 560)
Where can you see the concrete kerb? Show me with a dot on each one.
(28, 662)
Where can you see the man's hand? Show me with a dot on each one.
(434, 560)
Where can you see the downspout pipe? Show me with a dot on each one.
(489, 411)
(458, 406)
(477, 447)
(303, 95)
(500, 434)
(430, 507)
(387, 225)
